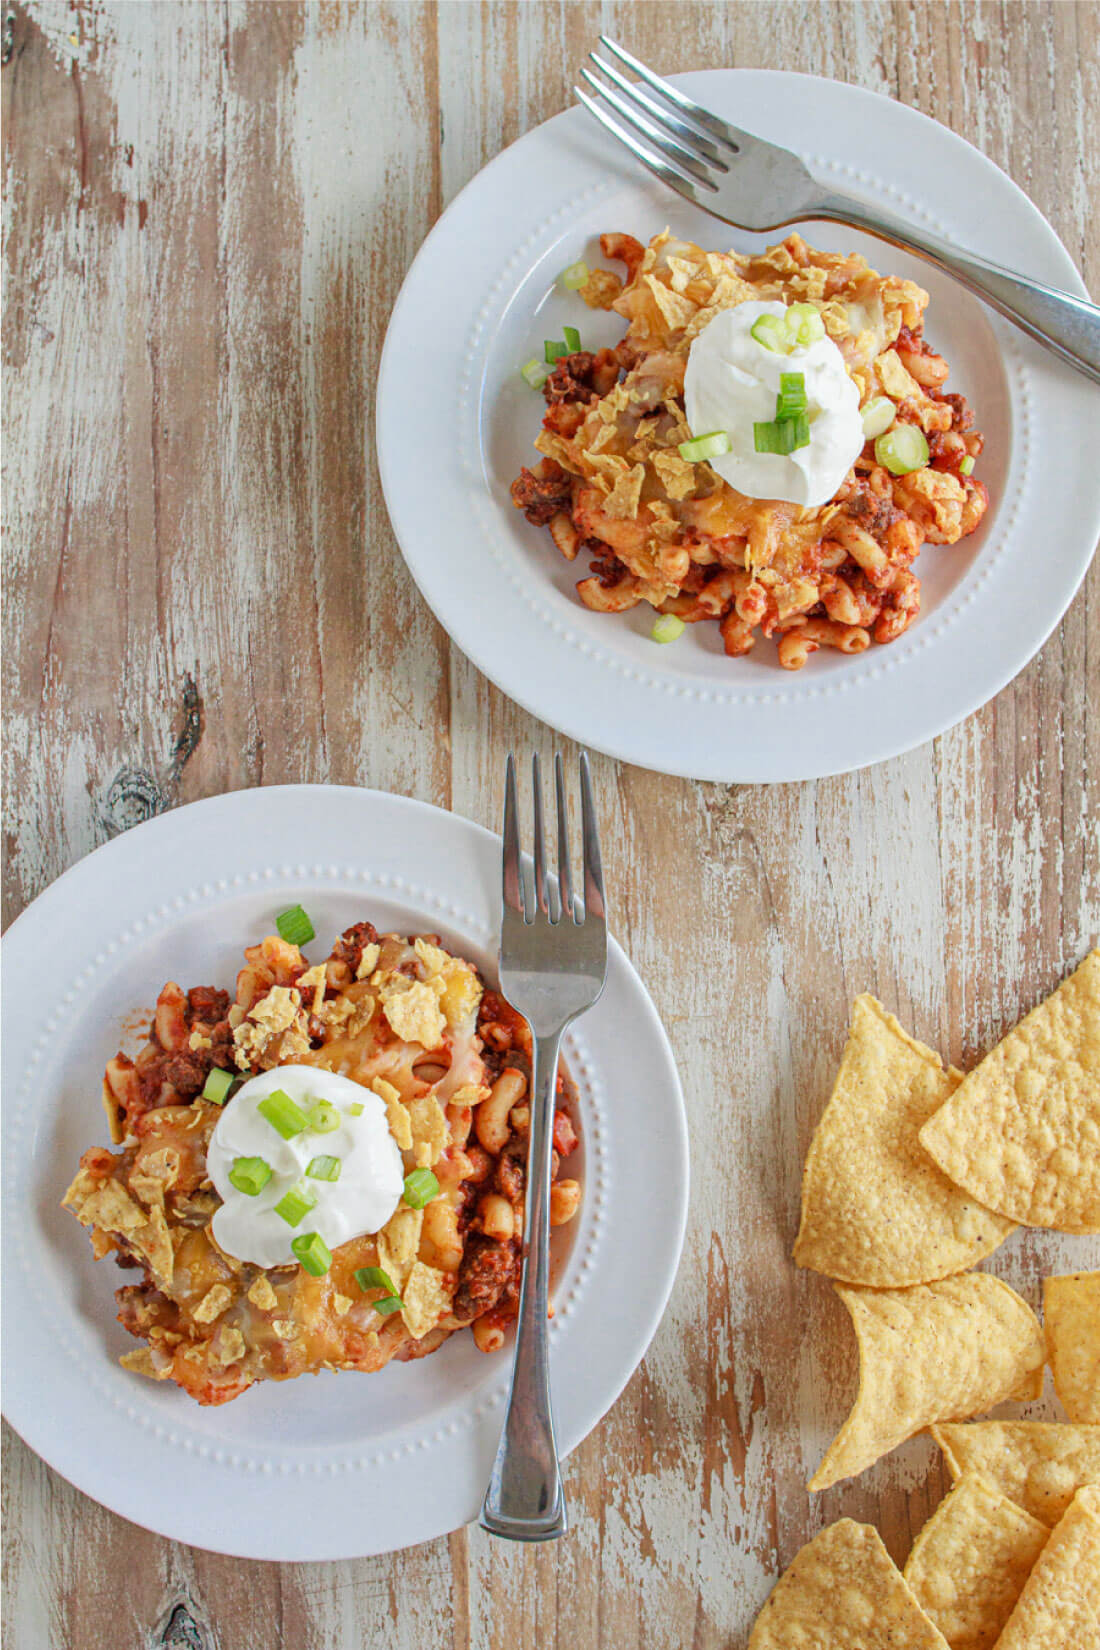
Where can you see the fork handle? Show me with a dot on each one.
(1064, 323)
(525, 1500)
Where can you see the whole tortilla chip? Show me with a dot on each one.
(1071, 1319)
(969, 1563)
(843, 1591)
(876, 1210)
(1022, 1132)
(1038, 1464)
(1059, 1608)
(939, 1351)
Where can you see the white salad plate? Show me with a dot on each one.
(338, 1465)
(456, 421)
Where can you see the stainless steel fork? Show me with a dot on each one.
(553, 959)
(756, 185)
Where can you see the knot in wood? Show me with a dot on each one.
(132, 796)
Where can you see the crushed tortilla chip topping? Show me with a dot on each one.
(412, 1009)
(427, 1297)
(213, 1304)
(262, 1295)
(274, 1031)
(397, 1113)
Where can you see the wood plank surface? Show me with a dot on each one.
(209, 212)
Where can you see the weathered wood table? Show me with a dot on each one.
(211, 209)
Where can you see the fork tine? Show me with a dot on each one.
(512, 887)
(593, 870)
(687, 131)
(565, 874)
(718, 128)
(666, 174)
(665, 143)
(540, 839)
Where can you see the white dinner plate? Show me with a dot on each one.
(339, 1465)
(455, 423)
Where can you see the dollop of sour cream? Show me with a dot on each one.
(731, 384)
(372, 1175)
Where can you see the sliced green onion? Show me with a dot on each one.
(782, 436)
(966, 468)
(324, 1168)
(294, 1206)
(572, 338)
(535, 373)
(218, 1085)
(284, 1114)
(554, 350)
(702, 447)
(373, 1277)
(294, 926)
(573, 278)
(392, 1303)
(791, 400)
(770, 332)
(804, 324)
(902, 449)
(323, 1117)
(313, 1253)
(667, 627)
(249, 1175)
(773, 438)
(355, 1109)
(878, 415)
(420, 1187)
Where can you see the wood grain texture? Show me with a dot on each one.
(210, 209)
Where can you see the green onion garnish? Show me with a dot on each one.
(324, 1168)
(572, 338)
(355, 1109)
(323, 1117)
(391, 1303)
(771, 332)
(573, 278)
(902, 449)
(703, 447)
(249, 1175)
(373, 1277)
(773, 438)
(294, 1206)
(667, 627)
(804, 324)
(294, 926)
(878, 415)
(801, 431)
(553, 351)
(218, 1085)
(313, 1253)
(284, 1114)
(534, 373)
(967, 466)
(791, 400)
(784, 436)
(420, 1187)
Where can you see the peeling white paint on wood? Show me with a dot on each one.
(210, 210)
